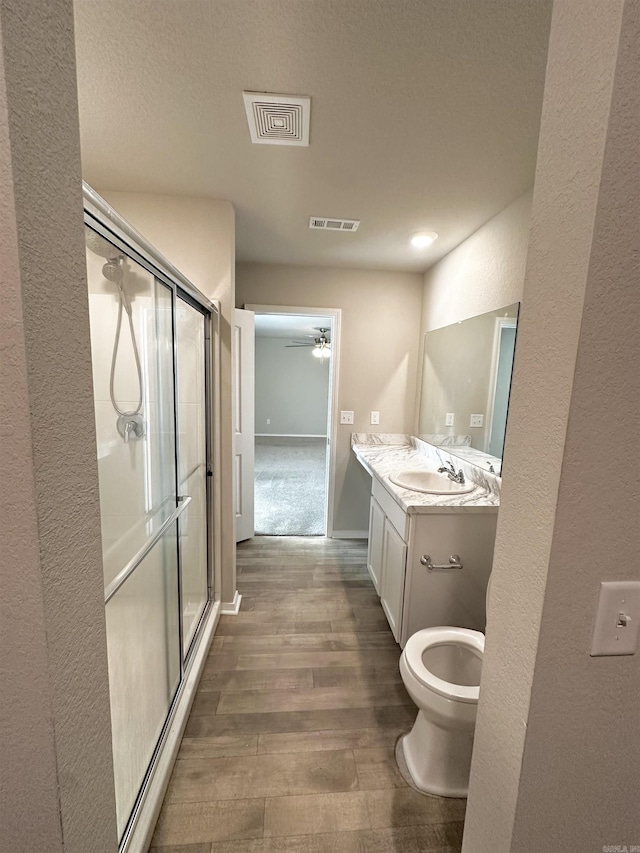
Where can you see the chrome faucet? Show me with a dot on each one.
(451, 471)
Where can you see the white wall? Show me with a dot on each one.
(557, 745)
(378, 360)
(292, 389)
(484, 273)
(198, 236)
(57, 773)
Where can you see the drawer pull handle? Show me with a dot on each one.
(454, 563)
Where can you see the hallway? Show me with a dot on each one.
(290, 744)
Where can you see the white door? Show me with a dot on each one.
(243, 416)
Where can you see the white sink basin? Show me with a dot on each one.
(429, 482)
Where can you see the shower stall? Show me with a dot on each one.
(153, 339)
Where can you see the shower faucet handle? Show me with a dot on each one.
(131, 427)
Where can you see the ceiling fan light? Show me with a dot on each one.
(321, 351)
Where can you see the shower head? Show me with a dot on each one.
(112, 270)
(99, 246)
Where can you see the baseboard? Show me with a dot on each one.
(349, 534)
(287, 435)
(231, 608)
(140, 835)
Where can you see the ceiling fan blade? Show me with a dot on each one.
(296, 346)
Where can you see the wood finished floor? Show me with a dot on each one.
(289, 747)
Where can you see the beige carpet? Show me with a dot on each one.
(290, 483)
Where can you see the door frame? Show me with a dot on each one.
(501, 323)
(334, 363)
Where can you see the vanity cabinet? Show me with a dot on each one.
(455, 597)
(412, 596)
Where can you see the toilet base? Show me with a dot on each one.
(438, 760)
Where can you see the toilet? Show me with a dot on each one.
(441, 670)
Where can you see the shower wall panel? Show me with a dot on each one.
(137, 478)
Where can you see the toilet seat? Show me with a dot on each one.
(429, 638)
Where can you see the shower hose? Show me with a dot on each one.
(124, 304)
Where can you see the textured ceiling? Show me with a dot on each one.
(424, 115)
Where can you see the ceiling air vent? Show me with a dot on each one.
(327, 224)
(277, 119)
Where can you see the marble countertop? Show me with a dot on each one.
(384, 454)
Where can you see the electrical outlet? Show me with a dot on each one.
(346, 417)
(476, 421)
(268, 421)
(448, 419)
(375, 418)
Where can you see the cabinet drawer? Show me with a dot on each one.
(394, 512)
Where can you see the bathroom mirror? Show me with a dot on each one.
(466, 380)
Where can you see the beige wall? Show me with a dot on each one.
(378, 359)
(292, 389)
(558, 733)
(482, 274)
(198, 236)
(57, 774)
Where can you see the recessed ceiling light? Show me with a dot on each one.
(422, 239)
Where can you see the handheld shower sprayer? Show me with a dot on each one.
(130, 424)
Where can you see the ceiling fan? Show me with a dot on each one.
(321, 344)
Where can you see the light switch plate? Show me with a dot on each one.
(375, 418)
(617, 619)
(346, 417)
(476, 421)
(448, 419)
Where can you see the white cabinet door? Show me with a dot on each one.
(394, 554)
(374, 554)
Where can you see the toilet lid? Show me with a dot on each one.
(429, 638)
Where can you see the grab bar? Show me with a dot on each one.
(135, 561)
(454, 563)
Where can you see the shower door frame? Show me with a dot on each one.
(101, 218)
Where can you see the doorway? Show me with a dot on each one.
(500, 383)
(295, 385)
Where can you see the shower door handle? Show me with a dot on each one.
(134, 562)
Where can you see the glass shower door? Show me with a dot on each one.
(132, 342)
(191, 353)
